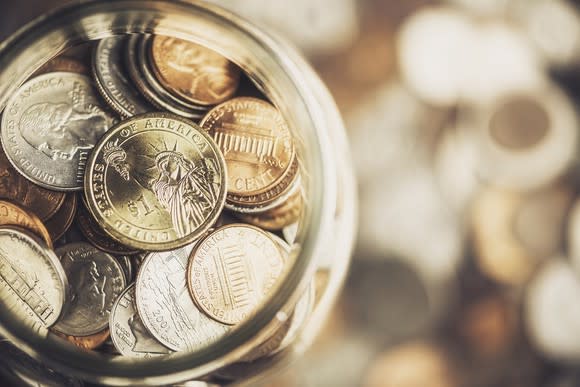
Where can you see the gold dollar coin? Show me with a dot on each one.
(256, 143)
(193, 72)
(155, 182)
(232, 270)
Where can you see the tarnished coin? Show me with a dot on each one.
(13, 215)
(156, 182)
(96, 281)
(63, 64)
(58, 225)
(49, 127)
(95, 234)
(277, 218)
(33, 285)
(128, 333)
(112, 78)
(15, 188)
(148, 85)
(87, 342)
(232, 270)
(256, 143)
(193, 72)
(166, 307)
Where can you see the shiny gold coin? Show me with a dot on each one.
(256, 143)
(156, 182)
(87, 342)
(63, 64)
(58, 225)
(232, 270)
(16, 188)
(278, 217)
(193, 72)
(97, 237)
(13, 215)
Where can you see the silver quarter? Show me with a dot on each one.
(112, 79)
(49, 127)
(33, 285)
(128, 333)
(96, 280)
(167, 309)
(140, 74)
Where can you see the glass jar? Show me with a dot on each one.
(325, 234)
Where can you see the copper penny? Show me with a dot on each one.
(59, 224)
(16, 188)
(279, 217)
(193, 72)
(14, 215)
(63, 64)
(256, 143)
(97, 236)
(87, 342)
(232, 270)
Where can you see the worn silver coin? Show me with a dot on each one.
(128, 333)
(49, 127)
(167, 309)
(96, 280)
(33, 284)
(112, 79)
(141, 75)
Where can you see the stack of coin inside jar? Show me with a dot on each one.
(149, 199)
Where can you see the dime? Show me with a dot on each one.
(63, 64)
(87, 342)
(256, 142)
(279, 217)
(50, 125)
(15, 188)
(156, 182)
(58, 225)
(232, 271)
(96, 281)
(166, 307)
(193, 72)
(144, 79)
(33, 285)
(128, 333)
(13, 215)
(95, 234)
(112, 81)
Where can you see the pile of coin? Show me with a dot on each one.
(143, 197)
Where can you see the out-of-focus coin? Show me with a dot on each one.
(411, 365)
(299, 317)
(58, 225)
(15, 188)
(156, 182)
(112, 79)
(232, 271)
(552, 320)
(96, 281)
(256, 142)
(95, 234)
(143, 77)
(49, 127)
(290, 232)
(128, 333)
(527, 140)
(63, 64)
(87, 342)
(32, 280)
(277, 218)
(193, 72)
(13, 215)
(166, 307)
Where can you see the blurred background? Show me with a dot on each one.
(464, 131)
